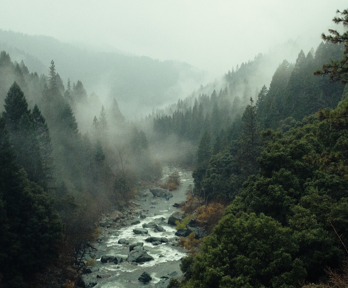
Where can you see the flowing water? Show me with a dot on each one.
(166, 256)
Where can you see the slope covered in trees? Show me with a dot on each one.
(287, 187)
(139, 83)
(55, 180)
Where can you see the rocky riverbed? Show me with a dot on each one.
(144, 229)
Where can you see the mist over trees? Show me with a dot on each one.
(283, 176)
(269, 160)
(64, 178)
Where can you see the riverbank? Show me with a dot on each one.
(116, 226)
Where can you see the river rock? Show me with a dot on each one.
(145, 277)
(118, 259)
(180, 204)
(105, 223)
(135, 222)
(140, 231)
(133, 246)
(115, 215)
(164, 240)
(183, 232)
(159, 229)
(154, 202)
(150, 225)
(142, 216)
(162, 193)
(107, 258)
(123, 241)
(153, 239)
(91, 284)
(86, 271)
(103, 276)
(156, 239)
(163, 283)
(175, 217)
(146, 193)
(139, 256)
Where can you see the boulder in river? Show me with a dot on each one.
(107, 258)
(150, 225)
(145, 277)
(135, 222)
(140, 231)
(164, 240)
(153, 239)
(156, 239)
(162, 193)
(118, 259)
(159, 229)
(133, 246)
(175, 217)
(123, 241)
(139, 256)
(183, 232)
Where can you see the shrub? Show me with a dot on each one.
(183, 223)
(210, 215)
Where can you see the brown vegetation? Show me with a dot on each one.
(172, 182)
(190, 243)
(192, 203)
(210, 215)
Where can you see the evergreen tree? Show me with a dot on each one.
(115, 113)
(79, 92)
(337, 70)
(29, 227)
(43, 137)
(103, 124)
(250, 142)
(21, 127)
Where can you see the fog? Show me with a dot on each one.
(211, 35)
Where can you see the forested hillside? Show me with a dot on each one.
(292, 94)
(138, 82)
(280, 172)
(56, 181)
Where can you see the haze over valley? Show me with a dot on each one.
(173, 144)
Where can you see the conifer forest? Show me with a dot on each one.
(259, 157)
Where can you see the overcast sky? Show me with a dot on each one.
(211, 35)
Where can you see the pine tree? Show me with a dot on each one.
(103, 123)
(20, 124)
(79, 92)
(29, 227)
(116, 114)
(250, 142)
(43, 137)
(337, 70)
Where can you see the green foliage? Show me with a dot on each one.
(30, 228)
(247, 251)
(302, 184)
(183, 223)
(337, 70)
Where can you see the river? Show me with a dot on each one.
(166, 256)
